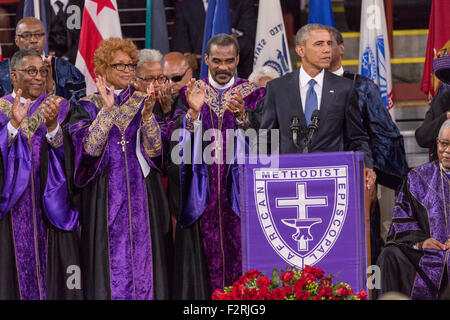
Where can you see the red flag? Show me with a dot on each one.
(100, 21)
(438, 40)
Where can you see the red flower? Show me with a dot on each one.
(326, 292)
(278, 294)
(299, 285)
(243, 280)
(326, 281)
(217, 294)
(287, 276)
(226, 296)
(252, 274)
(342, 291)
(263, 282)
(238, 291)
(317, 272)
(362, 295)
(264, 293)
(302, 295)
(288, 290)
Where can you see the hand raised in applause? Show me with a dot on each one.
(235, 104)
(107, 97)
(195, 97)
(50, 111)
(49, 82)
(147, 111)
(165, 97)
(19, 112)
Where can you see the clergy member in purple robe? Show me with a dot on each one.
(124, 216)
(38, 241)
(208, 239)
(415, 260)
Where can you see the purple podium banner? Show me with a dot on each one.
(308, 211)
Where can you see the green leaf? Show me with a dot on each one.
(275, 279)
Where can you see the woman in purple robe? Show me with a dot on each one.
(39, 253)
(125, 238)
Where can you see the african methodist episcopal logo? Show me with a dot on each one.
(302, 210)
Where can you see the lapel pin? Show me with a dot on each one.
(331, 91)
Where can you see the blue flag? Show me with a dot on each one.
(320, 12)
(217, 21)
(39, 13)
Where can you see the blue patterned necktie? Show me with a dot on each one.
(311, 101)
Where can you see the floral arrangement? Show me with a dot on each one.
(307, 284)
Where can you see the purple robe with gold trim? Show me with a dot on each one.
(124, 214)
(421, 212)
(38, 243)
(208, 242)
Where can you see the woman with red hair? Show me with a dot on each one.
(117, 150)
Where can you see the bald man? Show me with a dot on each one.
(64, 80)
(177, 71)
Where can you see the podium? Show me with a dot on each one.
(307, 211)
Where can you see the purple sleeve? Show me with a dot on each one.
(86, 166)
(56, 203)
(16, 170)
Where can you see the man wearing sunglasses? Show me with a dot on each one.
(64, 79)
(38, 222)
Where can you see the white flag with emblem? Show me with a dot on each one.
(271, 47)
(374, 55)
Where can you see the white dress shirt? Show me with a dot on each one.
(304, 86)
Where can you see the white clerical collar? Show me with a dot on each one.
(218, 85)
(305, 77)
(22, 99)
(118, 92)
(447, 171)
(339, 72)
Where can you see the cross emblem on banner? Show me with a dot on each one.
(302, 223)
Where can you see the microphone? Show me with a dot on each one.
(312, 128)
(295, 128)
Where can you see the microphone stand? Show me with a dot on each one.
(313, 126)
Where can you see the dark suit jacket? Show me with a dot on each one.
(190, 23)
(427, 133)
(340, 127)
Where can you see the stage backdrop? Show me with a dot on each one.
(309, 211)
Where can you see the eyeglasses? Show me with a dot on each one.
(123, 66)
(161, 79)
(443, 144)
(29, 36)
(177, 78)
(32, 72)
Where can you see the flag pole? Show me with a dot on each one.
(148, 25)
(390, 25)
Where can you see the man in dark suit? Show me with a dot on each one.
(190, 23)
(63, 24)
(311, 88)
(64, 79)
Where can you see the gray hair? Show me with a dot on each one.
(445, 125)
(19, 55)
(262, 72)
(149, 55)
(303, 32)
